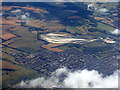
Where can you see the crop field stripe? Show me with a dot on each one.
(15, 49)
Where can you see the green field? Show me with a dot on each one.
(73, 30)
(19, 73)
(63, 47)
(27, 49)
(13, 77)
(27, 40)
(104, 27)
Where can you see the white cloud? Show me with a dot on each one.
(103, 10)
(23, 17)
(77, 79)
(27, 14)
(16, 11)
(90, 79)
(41, 82)
(116, 32)
(90, 5)
(60, 71)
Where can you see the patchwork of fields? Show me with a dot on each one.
(34, 38)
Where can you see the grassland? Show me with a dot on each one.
(104, 27)
(27, 40)
(13, 77)
(8, 57)
(73, 30)
(12, 72)
(63, 47)
(22, 44)
(97, 49)
(8, 50)
(98, 43)
(6, 54)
